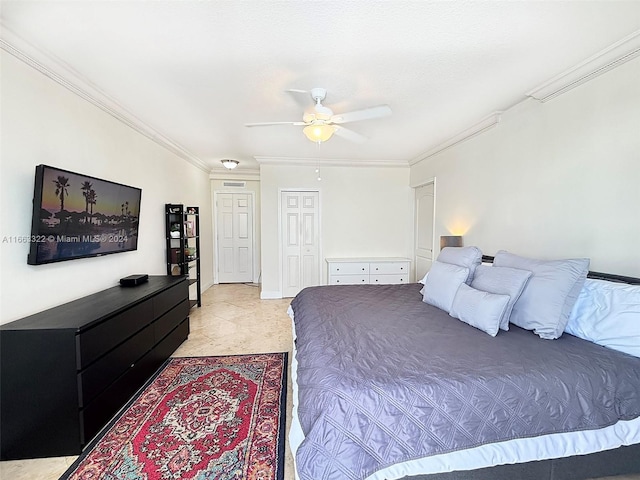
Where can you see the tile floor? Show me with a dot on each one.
(232, 320)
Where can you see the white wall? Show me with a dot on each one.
(365, 211)
(42, 122)
(552, 180)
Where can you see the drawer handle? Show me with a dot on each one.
(363, 279)
(337, 269)
(401, 268)
(376, 268)
(337, 281)
(363, 269)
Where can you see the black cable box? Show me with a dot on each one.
(133, 280)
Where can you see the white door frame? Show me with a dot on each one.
(256, 270)
(415, 223)
(280, 239)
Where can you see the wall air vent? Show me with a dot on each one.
(235, 184)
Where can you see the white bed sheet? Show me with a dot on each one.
(543, 447)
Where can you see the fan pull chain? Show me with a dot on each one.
(318, 163)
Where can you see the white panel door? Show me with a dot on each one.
(424, 228)
(235, 237)
(300, 238)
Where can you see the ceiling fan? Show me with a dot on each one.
(320, 123)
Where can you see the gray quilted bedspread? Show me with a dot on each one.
(385, 378)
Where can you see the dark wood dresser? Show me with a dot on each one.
(66, 371)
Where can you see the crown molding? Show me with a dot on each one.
(611, 57)
(330, 162)
(243, 174)
(65, 76)
(482, 126)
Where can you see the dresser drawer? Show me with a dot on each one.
(389, 279)
(105, 371)
(170, 320)
(172, 341)
(348, 268)
(98, 340)
(105, 405)
(348, 279)
(389, 268)
(169, 298)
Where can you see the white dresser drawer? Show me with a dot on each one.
(389, 268)
(389, 279)
(368, 270)
(348, 279)
(349, 268)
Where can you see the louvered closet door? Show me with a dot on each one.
(300, 239)
(235, 237)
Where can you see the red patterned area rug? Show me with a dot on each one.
(199, 418)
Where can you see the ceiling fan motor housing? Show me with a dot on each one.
(318, 94)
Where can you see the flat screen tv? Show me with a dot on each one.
(79, 216)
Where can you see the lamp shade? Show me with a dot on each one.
(450, 241)
(318, 132)
(230, 164)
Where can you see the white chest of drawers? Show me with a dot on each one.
(380, 270)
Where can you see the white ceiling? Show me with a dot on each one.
(197, 71)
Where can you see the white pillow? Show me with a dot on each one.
(442, 284)
(550, 293)
(482, 310)
(468, 257)
(502, 281)
(608, 314)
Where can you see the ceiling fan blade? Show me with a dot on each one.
(301, 97)
(266, 124)
(349, 134)
(364, 114)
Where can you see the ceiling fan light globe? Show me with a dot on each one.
(318, 133)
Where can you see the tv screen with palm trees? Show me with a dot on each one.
(77, 216)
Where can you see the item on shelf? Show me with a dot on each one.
(190, 253)
(190, 232)
(176, 255)
(175, 230)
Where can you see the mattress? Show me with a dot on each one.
(387, 386)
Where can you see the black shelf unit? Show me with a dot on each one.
(183, 247)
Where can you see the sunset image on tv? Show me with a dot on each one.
(77, 216)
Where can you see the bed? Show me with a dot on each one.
(387, 386)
